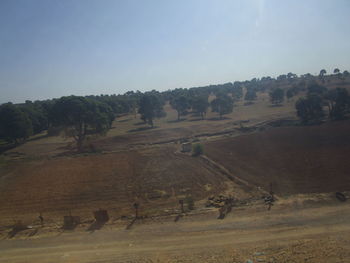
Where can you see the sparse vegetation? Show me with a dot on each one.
(189, 202)
(197, 149)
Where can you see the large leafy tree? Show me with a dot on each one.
(81, 117)
(310, 109)
(180, 104)
(200, 105)
(37, 115)
(323, 72)
(15, 124)
(151, 107)
(277, 96)
(250, 95)
(338, 102)
(223, 104)
(290, 93)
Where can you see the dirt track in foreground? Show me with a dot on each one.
(285, 234)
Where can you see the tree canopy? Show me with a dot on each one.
(80, 116)
(277, 96)
(180, 104)
(15, 124)
(151, 107)
(200, 105)
(310, 109)
(223, 104)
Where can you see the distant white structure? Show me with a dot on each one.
(187, 147)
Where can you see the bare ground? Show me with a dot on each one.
(291, 232)
(304, 159)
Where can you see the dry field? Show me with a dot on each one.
(156, 178)
(308, 159)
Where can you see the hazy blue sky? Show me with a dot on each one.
(51, 48)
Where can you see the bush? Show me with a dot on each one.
(197, 149)
(189, 202)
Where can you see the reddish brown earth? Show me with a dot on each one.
(156, 178)
(294, 159)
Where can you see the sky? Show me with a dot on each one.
(54, 48)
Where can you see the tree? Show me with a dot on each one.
(150, 107)
(180, 104)
(37, 115)
(310, 109)
(250, 95)
(315, 88)
(81, 117)
(338, 102)
(336, 71)
(291, 76)
(277, 96)
(197, 149)
(290, 93)
(237, 90)
(322, 73)
(223, 104)
(282, 77)
(200, 105)
(15, 125)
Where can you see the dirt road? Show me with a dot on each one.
(284, 234)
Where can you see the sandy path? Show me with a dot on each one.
(192, 235)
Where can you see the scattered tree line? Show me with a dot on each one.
(311, 109)
(79, 117)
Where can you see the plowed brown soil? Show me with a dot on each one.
(304, 159)
(156, 178)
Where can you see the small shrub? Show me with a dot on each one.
(197, 149)
(189, 202)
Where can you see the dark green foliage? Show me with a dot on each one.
(80, 117)
(315, 88)
(237, 90)
(223, 104)
(37, 115)
(338, 102)
(310, 109)
(291, 76)
(15, 124)
(289, 93)
(277, 96)
(250, 95)
(200, 105)
(151, 107)
(181, 104)
(323, 72)
(197, 149)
